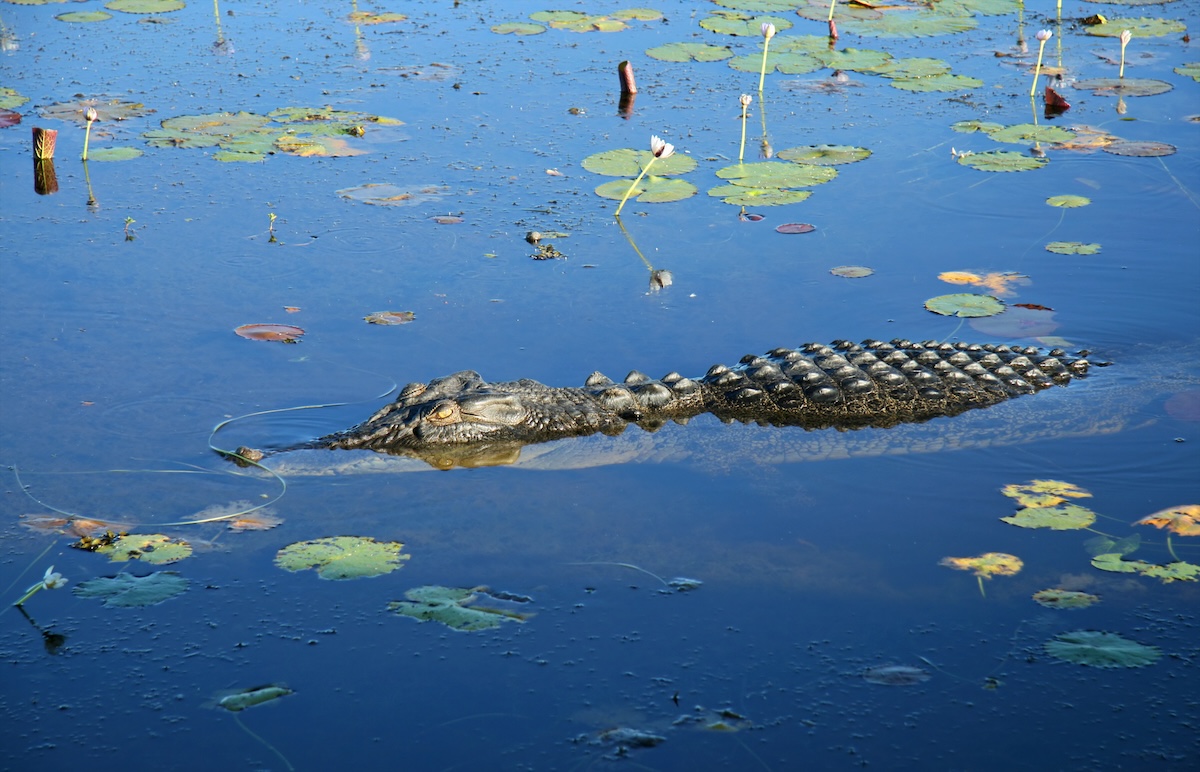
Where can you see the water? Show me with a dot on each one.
(120, 354)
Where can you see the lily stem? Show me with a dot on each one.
(629, 192)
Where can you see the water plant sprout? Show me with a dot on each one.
(768, 32)
(1126, 36)
(833, 33)
(1042, 36)
(658, 149)
(92, 115)
(51, 581)
(746, 99)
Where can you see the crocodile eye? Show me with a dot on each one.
(444, 412)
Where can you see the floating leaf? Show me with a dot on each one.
(1097, 649)
(1067, 517)
(970, 127)
(1067, 599)
(782, 61)
(1183, 520)
(1044, 493)
(851, 271)
(1068, 201)
(770, 174)
(742, 24)
(689, 52)
(83, 17)
(1178, 571)
(1140, 27)
(1103, 545)
(986, 565)
(390, 317)
(651, 190)
(1139, 148)
(1029, 133)
(935, 83)
(342, 557)
(452, 606)
(248, 698)
(627, 162)
(114, 154)
(824, 155)
(1189, 69)
(795, 227)
(149, 548)
(857, 59)
(1001, 161)
(895, 675)
(1130, 87)
(518, 28)
(367, 18)
(129, 591)
(144, 6)
(914, 68)
(996, 282)
(9, 118)
(317, 147)
(739, 195)
(254, 521)
(387, 194)
(965, 304)
(283, 333)
(1072, 248)
(107, 109)
(10, 98)
(575, 21)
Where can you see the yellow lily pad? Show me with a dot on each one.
(1044, 493)
(1183, 520)
(987, 565)
(149, 548)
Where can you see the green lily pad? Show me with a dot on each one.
(965, 304)
(149, 548)
(1068, 201)
(1189, 69)
(769, 174)
(1125, 87)
(1067, 599)
(10, 98)
(1141, 28)
(1171, 572)
(128, 591)
(518, 28)
(1072, 248)
(369, 18)
(144, 6)
(83, 17)
(970, 127)
(759, 6)
(342, 557)
(1066, 517)
(1002, 161)
(387, 194)
(107, 110)
(824, 155)
(1097, 649)
(740, 195)
(457, 608)
(912, 68)
(689, 52)
(651, 190)
(575, 21)
(852, 271)
(785, 62)
(1105, 545)
(627, 162)
(1029, 133)
(856, 59)
(911, 24)
(317, 147)
(114, 153)
(742, 24)
(936, 83)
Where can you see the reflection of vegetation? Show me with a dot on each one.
(1067, 599)
(1097, 649)
(986, 566)
(457, 608)
(127, 591)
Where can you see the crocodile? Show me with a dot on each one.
(846, 386)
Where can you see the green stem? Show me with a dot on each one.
(87, 136)
(832, 3)
(32, 591)
(762, 73)
(1171, 549)
(1038, 69)
(981, 592)
(635, 183)
(742, 149)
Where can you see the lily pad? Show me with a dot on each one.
(1029, 133)
(651, 190)
(785, 62)
(387, 194)
(1002, 161)
(852, 271)
(1189, 69)
(972, 126)
(282, 333)
(114, 154)
(857, 59)
(1183, 520)
(768, 174)
(1098, 649)
(1178, 571)
(149, 548)
(10, 98)
(1068, 201)
(740, 195)
(921, 67)
(457, 608)
(689, 52)
(1126, 87)
(935, 83)
(576, 21)
(144, 6)
(1105, 545)
(1065, 517)
(9, 118)
(792, 228)
(390, 317)
(986, 565)
(518, 28)
(128, 591)
(1044, 493)
(342, 557)
(627, 162)
(895, 675)
(965, 304)
(742, 24)
(238, 701)
(1141, 28)
(83, 17)
(824, 155)
(1066, 599)
(107, 109)
(368, 18)
(1072, 248)
(1139, 148)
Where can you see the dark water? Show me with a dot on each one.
(120, 354)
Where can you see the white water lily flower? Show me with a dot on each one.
(53, 580)
(1126, 36)
(768, 30)
(746, 99)
(661, 148)
(1044, 35)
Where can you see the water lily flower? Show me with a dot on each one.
(1126, 36)
(51, 581)
(745, 100)
(1042, 36)
(768, 32)
(659, 148)
(91, 115)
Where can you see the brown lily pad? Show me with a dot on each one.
(1139, 148)
(283, 333)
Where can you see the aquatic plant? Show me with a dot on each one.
(1042, 36)
(1126, 36)
(91, 115)
(745, 101)
(50, 581)
(768, 32)
(658, 149)
(833, 33)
